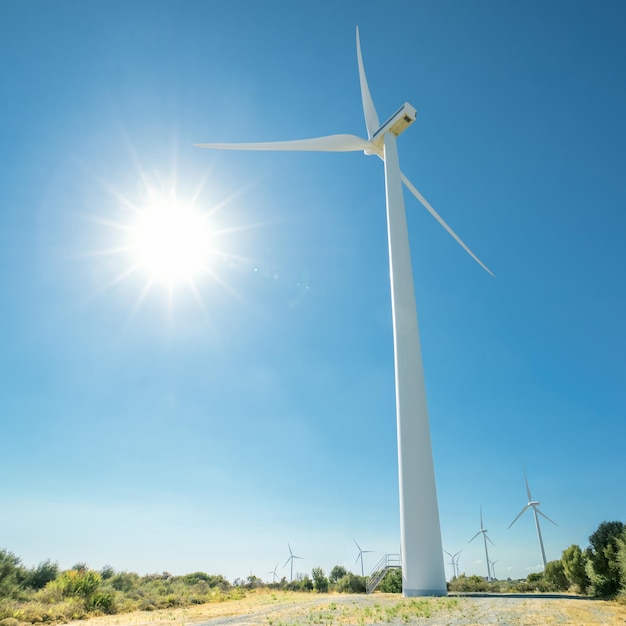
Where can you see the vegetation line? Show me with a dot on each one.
(46, 594)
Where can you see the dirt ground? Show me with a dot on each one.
(297, 609)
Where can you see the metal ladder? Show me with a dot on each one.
(389, 561)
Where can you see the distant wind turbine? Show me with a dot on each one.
(273, 573)
(292, 556)
(534, 505)
(361, 553)
(486, 539)
(420, 533)
(454, 561)
(493, 569)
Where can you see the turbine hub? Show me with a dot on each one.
(396, 124)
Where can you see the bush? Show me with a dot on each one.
(469, 584)
(81, 583)
(102, 603)
(124, 581)
(40, 576)
(554, 576)
(574, 565)
(351, 583)
(603, 567)
(12, 574)
(392, 582)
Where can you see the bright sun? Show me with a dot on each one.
(170, 241)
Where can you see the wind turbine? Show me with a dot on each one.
(534, 505)
(420, 533)
(493, 569)
(361, 553)
(454, 563)
(292, 556)
(273, 573)
(486, 539)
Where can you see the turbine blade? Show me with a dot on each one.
(287, 561)
(544, 515)
(357, 558)
(474, 537)
(371, 118)
(448, 553)
(489, 540)
(520, 515)
(329, 143)
(438, 217)
(530, 498)
(357, 545)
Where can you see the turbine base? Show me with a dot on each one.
(419, 593)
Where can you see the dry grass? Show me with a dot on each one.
(265, 608)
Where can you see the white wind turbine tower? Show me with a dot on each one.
(420, 534)
(292, 556)
(534, 505)
(361, 553)
(486, 539)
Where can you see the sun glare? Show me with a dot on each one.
(169, 246)
(170, 241)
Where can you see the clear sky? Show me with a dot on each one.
(202, 425)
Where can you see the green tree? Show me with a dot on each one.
(554, 576)
(574, 566)
(40, 576)
(337, 572)
(12, 574)
(124, 581)
(603, 554)
(320, 582)
(621, 558)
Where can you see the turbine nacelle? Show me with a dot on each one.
(396, 124)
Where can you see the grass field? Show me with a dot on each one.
(265, 608)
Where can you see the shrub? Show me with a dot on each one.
(603, 565)
(554, 576)
(469, 583)
(351, 583)
(392, 582)
(12, 574)
(124, 581)
(102, 602)
(40, 576)
(574, 566)
(81, 583)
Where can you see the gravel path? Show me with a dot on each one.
(360, 610)
(299, 609)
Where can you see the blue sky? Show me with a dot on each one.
(155, 429)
